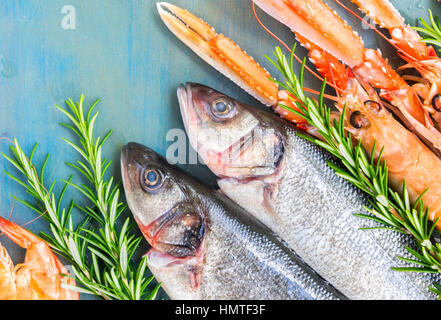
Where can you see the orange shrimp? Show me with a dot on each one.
(228, 58)
(40, 276)
(418, 54)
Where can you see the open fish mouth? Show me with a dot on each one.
(178, 232)
(177, 240)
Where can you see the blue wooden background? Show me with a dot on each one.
(121, 53)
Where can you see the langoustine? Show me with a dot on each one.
(412, 49)
(407, 158)
(41, 275)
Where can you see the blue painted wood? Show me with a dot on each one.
(121, 53)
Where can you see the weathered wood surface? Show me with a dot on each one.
(120, 52)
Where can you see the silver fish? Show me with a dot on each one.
(204, 246)
(285, 182)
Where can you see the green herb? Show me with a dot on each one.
(390, 209)
(432, 32)
(101, 254)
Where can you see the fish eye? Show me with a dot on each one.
(151, 180)
(222, 108)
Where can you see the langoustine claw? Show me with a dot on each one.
(328, 41)
(315, 22)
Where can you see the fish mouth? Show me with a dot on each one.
(167, 250)
(178, 232)
(231, 156)
(190, 116)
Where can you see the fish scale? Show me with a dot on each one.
(288, 280)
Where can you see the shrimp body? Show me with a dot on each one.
(39, 277)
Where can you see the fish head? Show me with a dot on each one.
(233, 139)
(165, 205)
(244, 146)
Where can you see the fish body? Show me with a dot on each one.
(286, 183)
(204, 246)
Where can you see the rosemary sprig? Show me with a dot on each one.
(392, 210)
(432, 32)
(101, 255)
